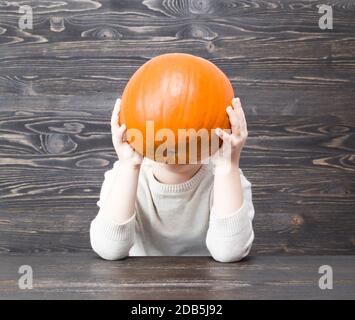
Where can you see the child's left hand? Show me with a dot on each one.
(232, 143)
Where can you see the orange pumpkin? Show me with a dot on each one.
(175, 91)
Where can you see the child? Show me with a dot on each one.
(152, 209)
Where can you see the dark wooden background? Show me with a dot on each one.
(59, 81)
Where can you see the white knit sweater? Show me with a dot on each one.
(175, 220)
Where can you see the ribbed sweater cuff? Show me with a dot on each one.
(232, 224)
(113, 231)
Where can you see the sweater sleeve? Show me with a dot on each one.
(109, 240)
(230, 238)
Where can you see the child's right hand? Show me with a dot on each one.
(126, 154)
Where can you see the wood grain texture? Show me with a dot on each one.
(91, 50)
(263, 277)
(58, 83)
(301, 169)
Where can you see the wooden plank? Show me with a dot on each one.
(42, 139)
(92, 52)
(264, 101)
(284, 223)
(52, 165)
(92, 75)
(59, 81)
(295, 15)
(281, 226)
(87, 277)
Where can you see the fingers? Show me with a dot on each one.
(236, 103)
(241, 117)
(241, 127)
(115, 113)
(120, 135)
(227, 138)
(117, 130)
(233, 118)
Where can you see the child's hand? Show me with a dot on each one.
(232, 143)
(126, 154)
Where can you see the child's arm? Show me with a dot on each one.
(230, 234)
(112, 231)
